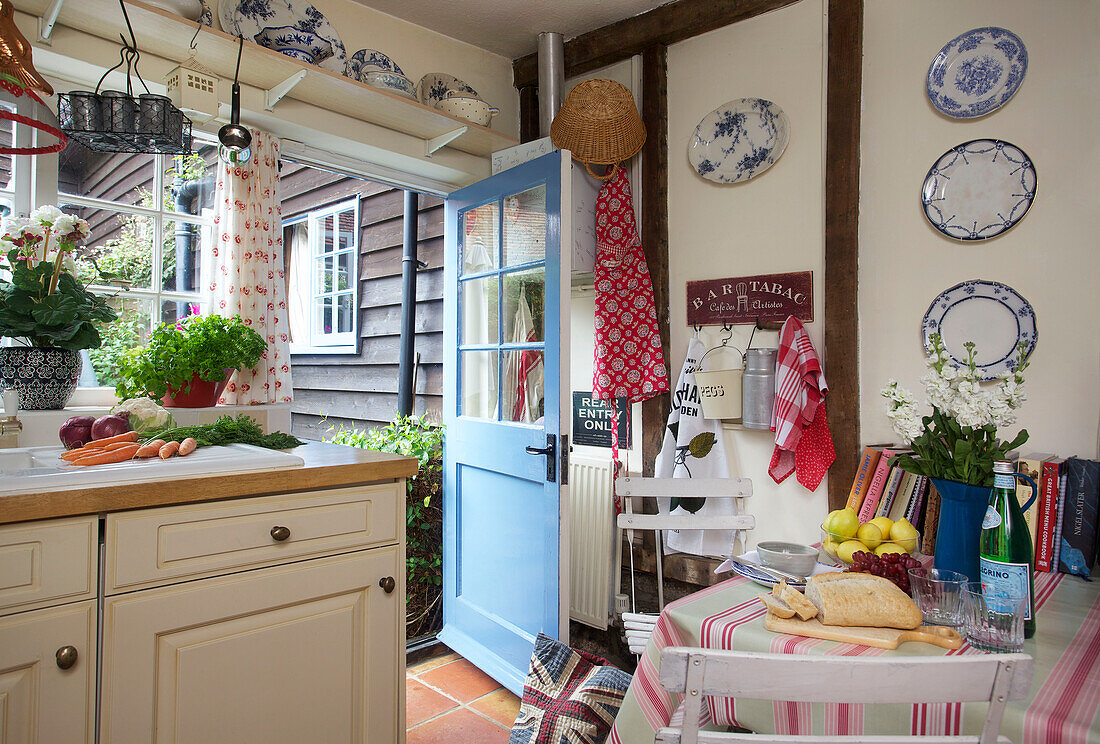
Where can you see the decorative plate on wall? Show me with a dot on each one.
(739, 140)
(979, 189)
(247, 18)
(977, 72)
(992, 315)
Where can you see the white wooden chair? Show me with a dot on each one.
(639, 626)
(697, 673)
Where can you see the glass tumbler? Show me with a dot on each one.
(993, 623)
(938, 594)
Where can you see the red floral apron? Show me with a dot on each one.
(629, 362)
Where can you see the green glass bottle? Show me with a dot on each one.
(1005, 553)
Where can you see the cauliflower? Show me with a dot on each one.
(145, 415)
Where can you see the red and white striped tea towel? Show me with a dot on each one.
(803, 442)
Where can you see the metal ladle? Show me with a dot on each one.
(233, 137)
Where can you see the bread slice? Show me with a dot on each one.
(861, 599)
(802, 607)
(777, 607)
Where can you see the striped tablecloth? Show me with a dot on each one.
(1064, 705)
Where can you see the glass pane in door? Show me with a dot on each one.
(480, 240)
(523, 306)
(479, 305)
(479, 384)
(525, 226)
(524, 386)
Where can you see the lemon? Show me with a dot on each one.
(870, 535)
(842, 523)
(889, 547)
(829, 546)
(848, 548)
(904, 534)
(884, 524)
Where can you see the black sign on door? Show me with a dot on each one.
(592, 421)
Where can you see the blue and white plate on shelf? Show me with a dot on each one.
(739, 140)
(977, 72)
(992, 315)
(762, 578)
(369, 60)
(305, 46)
(979, 189)
(248, 18)
(435, 86)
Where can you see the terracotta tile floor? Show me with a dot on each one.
(450, 701)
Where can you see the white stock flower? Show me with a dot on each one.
(46, 214)
(64, 224)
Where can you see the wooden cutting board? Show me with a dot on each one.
(937, 635)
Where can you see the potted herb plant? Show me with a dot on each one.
(187, 364)
(43, 304)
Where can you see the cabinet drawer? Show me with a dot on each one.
(157, 546)
(46, 563)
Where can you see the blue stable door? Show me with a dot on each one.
(506, 346)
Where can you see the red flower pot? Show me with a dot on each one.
(202, 394)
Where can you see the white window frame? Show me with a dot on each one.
(307, 340)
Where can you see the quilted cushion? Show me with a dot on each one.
(568, 696)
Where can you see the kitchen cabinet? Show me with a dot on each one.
(305, 650)
(252, 608)
(48, 631)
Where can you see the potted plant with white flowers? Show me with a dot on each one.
(45, 308)
(957, 445)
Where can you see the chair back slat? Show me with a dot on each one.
(637, 521)
(698, 673)
(711, 487)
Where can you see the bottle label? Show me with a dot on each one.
(1004, 480)
(1003, 579)
(991, 519)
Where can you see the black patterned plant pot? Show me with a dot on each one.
(45, 378)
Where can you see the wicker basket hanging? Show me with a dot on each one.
(599, 124)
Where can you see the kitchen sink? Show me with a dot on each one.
(42, 469)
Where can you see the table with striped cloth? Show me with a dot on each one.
(1064, 705)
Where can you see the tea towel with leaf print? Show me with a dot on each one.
(693, 448)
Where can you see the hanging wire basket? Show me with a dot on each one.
(114, 121)
(117, 121)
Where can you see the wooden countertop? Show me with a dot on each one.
(326, 466)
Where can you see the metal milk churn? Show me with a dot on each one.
(758, 388)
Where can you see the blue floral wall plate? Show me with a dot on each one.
(434, 87)
(248, 18)
(979, 189)
(739, 140)
(369, 60)
(977, 72)
(992, 315)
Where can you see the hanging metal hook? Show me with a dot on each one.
(728, 330)
(697, 327)
(198, 28)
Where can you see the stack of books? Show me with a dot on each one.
(1063, 519)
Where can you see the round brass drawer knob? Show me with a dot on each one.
(387, 583)
(280, 533)
(66, 657)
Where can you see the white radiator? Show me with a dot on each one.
(592, 559)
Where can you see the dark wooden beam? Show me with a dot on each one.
(654, 228)
(664, 25)
(842, 240)
(528, 113)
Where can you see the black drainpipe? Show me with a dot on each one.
(186, 281)
(409, 265)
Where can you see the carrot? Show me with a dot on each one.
(187, 446)
(169, 449)
(130, 436)
(150, 449)
(76, 454)
(122, 454)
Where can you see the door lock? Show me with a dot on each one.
(551, 453)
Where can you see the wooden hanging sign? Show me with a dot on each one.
(769, 298)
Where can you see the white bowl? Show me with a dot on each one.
(473, 110)
(390, 81)
(790, 557)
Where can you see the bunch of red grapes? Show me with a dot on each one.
(892, 566)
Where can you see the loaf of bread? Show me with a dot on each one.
(787, 602)
(861, 599)
(776, 606)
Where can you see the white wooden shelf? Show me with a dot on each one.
(169, 36)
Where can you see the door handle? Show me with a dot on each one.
(551, 453)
